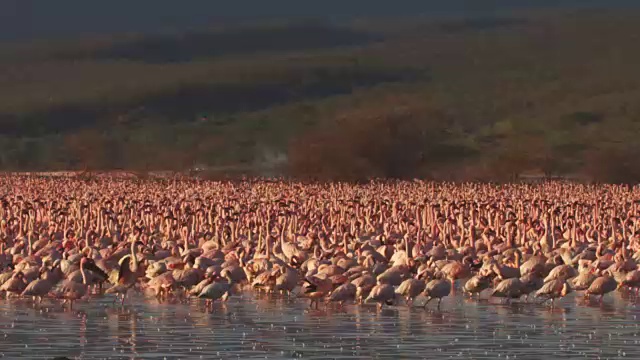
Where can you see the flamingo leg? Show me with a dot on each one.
(439, 301)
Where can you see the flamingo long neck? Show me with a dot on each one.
(509, 239)
(282, 242)
(227, 276)
(134, 258)
(472, 237)
(84, 275)
(268, 247)
(406, 247)
(345, 247)
(30, 243)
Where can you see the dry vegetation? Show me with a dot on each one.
(482, 99)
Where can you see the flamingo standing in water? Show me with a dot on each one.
(631, 280)
(381, 294)
(476, 284)
(602, 286)
(15, 285)
(316, 288)
(554, 289)
(365, 232)
(128, 274)
(411, 288)
(40, 287)
(71, 290)
(343, 293)
(509, 288)
(437, 289)
(217, 290)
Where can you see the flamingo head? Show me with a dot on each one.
(276, 271)
(295, 262)
(42, 272)
(421, 272)
(622, 284)
(467, 260)
(123, 259)
(189, 259)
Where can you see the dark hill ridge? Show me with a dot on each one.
(37, 19)
(243, 40)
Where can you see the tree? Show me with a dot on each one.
(396, 143)
(88, 149)
(613, 164)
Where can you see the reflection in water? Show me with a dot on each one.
(282, 328)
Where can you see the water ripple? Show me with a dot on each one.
(256, 327)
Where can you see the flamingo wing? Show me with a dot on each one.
(125, 269)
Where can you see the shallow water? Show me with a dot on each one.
(254, 326)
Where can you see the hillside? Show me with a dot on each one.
(483, 97)
(22, 20)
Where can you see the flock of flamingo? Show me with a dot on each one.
(69, 239)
